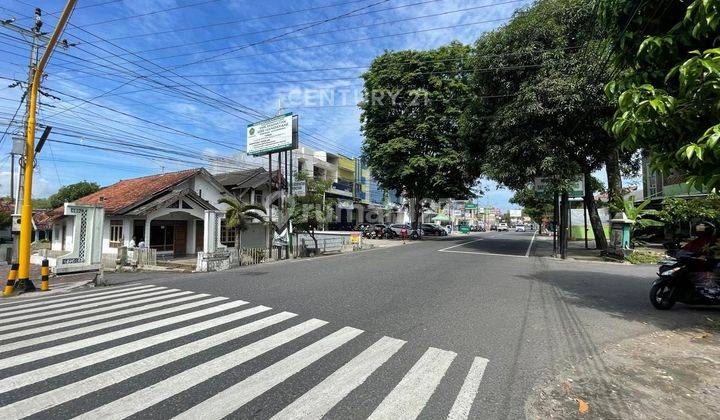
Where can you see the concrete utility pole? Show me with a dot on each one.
(26, 209)
(36, 39)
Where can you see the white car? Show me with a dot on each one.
(502, 227)
(519, 228)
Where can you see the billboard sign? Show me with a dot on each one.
(272, 135)
(515, 213)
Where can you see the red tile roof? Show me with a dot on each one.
(125, 193)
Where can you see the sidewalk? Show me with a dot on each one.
(664, 375)
(576, 250)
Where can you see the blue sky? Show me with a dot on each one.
(187, 75)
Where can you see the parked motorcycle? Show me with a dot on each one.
(687, 279)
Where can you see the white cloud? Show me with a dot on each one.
(42, 187)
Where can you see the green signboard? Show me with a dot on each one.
(470, 206)
(464, 229)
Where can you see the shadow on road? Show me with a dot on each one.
(622, 296)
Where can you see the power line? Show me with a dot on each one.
(232, 22)
(169, 9)
(312, 25)
(320, 33)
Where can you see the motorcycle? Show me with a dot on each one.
(687, 279)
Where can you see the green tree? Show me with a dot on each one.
(668, 93)
(414, 100)
(41, 203)
(539, 106)
(72, 192)
(308, 213)
(535, 206)
(237, 216)
(6, 211)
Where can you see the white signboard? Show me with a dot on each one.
(271, 135)
(515, 213)
(299, 188)
(457, 213)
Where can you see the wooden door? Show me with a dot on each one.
(180, 247)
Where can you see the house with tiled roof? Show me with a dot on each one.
(165, 212)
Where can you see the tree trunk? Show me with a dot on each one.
(595, 222)
(312, 235)
(614, 178)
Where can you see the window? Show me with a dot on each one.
(258, 197)
(227, 235)
(116, 233)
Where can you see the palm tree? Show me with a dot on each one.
(238, 214)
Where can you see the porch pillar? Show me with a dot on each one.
(146, 237)
(211, 234)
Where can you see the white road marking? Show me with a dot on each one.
(410, 396)
(99, 326)
(69, 392)
(527, 254)
(34, 297)
(465, 398)
(78, 362)
(106, 312)
(485, 253)
(226, 402)
(32, 308)
(315, 403)
(103, 338)
(173, 385)
(460, 244)
(407, 399)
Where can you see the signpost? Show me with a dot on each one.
(276, 134)
(299, 188)
(273, 135)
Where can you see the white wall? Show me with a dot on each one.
(57, 237)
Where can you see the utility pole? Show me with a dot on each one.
(37, 39)
(26, 209)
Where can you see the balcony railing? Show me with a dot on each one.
(343, 186)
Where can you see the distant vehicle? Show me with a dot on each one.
(502, 227)
(494, 227)
(413, 234)
(519, 228)
(435, 230)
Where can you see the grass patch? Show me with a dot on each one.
(644, 257)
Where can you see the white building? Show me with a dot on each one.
(165, 211)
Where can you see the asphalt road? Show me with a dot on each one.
(392, 332)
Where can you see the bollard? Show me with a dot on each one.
(12, 276)
(45, 276)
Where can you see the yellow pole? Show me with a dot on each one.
(26, 211)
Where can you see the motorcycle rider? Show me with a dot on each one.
(706, 238)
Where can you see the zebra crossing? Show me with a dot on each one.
(130, 350)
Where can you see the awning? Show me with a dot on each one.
(440, 218)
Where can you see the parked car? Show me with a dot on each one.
(494, 227)
(519, 228)
(398, 227)
(502, 227)
(434, 230)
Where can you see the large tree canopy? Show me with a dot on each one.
(72, 192)
(413, 102)
(539, 106)
(668, 92)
